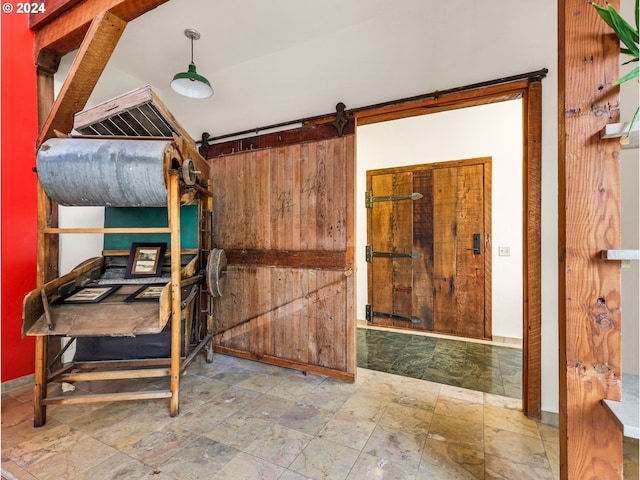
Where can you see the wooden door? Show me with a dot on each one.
(428, 252)
(285, 217)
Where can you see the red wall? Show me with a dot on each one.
(18, 211)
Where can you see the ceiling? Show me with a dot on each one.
(242, 41)
(279, 60)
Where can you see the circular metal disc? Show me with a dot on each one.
(216, 272)
(189, 175)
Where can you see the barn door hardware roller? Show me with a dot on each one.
(371, 254)
(370, 314)
(369, 198)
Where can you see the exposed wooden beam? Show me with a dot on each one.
(52, 9)
(589, 222)
(92, 58)
(64, 32)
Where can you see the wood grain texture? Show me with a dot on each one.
(532, 249)
(88, 65)
(285, 138)
(284, 215)
(382, 241)
(392, 233)
(470, 268)
(589, 221)
(423, 244)
(52, 9)
(447, 287)
(445, 239)
(61, 33)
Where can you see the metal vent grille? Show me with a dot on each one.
(142, 121)
(138, 113)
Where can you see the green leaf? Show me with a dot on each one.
(637, 14)
(635, 119)
(629, 76)
(625, 32)
(604, 14)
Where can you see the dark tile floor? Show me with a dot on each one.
(475, 366)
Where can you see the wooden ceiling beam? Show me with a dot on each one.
(89, 63)
(62, 29)
(51, 10)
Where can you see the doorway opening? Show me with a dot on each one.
(529, 92)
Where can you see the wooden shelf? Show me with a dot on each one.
(621, 254)
(618, 130)
(625, 415)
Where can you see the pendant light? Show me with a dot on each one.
(190, 83)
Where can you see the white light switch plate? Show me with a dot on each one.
(504, 251)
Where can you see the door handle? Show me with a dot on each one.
(476, 244)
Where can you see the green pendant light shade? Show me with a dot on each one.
(190, 83)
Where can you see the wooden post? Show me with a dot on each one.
(173, 209)
(589, 221)
(532, 246)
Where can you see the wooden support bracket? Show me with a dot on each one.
(90, 62)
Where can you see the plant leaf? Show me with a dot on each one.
(635, 119)
(624, 31)
(604, 14)
(629, 76)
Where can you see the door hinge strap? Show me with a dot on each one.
(370, 254)
(369, 198)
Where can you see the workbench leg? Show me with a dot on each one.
(174, 405)
(40, 383)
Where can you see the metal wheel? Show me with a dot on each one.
(216, 272)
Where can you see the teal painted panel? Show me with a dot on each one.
(141, 217)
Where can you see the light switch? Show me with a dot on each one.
(504, 251)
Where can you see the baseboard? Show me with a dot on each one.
(507, 340)
(17, 383)
(550, 418)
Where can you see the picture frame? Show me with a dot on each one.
(147, 293)
(145, 260)
(89, 294)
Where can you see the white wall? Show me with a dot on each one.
(630, 209)
(630, 273)
(416, 46)
(76, 248)
(486, 131)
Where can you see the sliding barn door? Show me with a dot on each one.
(428, 249)
(285, 217)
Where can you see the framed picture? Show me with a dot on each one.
(148, 293)
(145, 260)
(91, 294)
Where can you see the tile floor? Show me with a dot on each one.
(476, 366)
(246, 420)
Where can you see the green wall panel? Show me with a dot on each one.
(141, 217)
